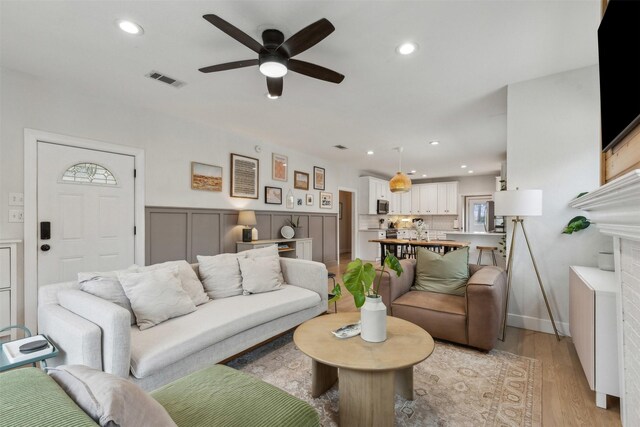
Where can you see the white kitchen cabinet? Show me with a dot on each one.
(8, 286)
(371, 190)
(428, 199)
(415, 199)
(303, 249)
(395, 203)
(447, 198)
(593, 327)
(405, 202)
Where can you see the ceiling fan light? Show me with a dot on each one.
(400, 183)
(273, 69)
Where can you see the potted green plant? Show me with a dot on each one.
(358, 279)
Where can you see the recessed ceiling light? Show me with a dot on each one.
(413, 171)
(370, 153)
(407, 48)
(470, 171)
(130, 27)
(434, 143)
(463, 166)
(424, 175)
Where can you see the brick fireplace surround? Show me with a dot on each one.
(615, 209)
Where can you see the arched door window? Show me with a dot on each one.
(89, 173)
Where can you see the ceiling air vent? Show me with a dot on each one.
(340, 147)
(165, 79)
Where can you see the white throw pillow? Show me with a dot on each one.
(110, 400)
(106, 285)
(269, 251)
(156, 296)
(221, 274)
(188, 278)
(260, 274)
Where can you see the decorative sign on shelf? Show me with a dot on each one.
(244, 176)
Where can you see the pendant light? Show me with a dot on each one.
(400, 183)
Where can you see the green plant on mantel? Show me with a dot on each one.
(577, 223)
(359, 277)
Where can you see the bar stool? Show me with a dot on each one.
(332, 276)
(487, 248)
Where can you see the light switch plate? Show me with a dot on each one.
(16, 199)
(16, 215)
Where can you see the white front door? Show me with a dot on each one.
(86, 200)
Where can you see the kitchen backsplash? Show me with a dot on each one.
(433, 222)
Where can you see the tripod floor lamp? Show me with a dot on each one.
(518, 204)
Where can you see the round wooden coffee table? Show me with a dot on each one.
(370, 373)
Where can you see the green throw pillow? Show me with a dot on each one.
(444, 274)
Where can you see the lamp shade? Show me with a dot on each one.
(247, 218)
(400, 183)
(518, 203)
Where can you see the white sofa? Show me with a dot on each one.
(94, 332)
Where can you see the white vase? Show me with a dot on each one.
(373, 316)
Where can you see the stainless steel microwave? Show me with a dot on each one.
(382, 206)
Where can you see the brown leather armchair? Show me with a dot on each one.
(474, 319)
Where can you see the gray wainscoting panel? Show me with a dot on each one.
(184, 233)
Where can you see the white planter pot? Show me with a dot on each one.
(373, 316)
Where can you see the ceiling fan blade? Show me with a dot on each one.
(234, 32)
(274, 84)
(306, 38)
(315, 71)
(229, 66)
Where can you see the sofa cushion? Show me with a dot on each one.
(107, 286)
(155, 348)
(156, 295)
(269, 251)
(188, 279)
(222, 396)
(109, 400)
(442, 315)
(221, 274)
(262, 274)
(29, 397)
(446, 274)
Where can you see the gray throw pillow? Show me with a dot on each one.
(111, 401)
(107, 286)
(188, 279)
(269, 251)
(221, 274)
(156, 296)
(260, 274)
(444, 274)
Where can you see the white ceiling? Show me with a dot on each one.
(452, 89)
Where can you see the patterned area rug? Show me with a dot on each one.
(455, 386)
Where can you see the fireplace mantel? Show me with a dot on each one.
(615, 207)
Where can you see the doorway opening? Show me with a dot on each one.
(346, 225)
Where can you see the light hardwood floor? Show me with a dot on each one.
(567, 399)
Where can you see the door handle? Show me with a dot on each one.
(45, 248)
(45, 230)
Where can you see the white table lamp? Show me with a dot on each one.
(517, 204)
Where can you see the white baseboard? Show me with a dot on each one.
(536, 324)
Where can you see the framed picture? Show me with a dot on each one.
(339, 210)
(309, 199)
(206, 177)
(318, 178)
(244, 176)
(273, 195)
(300, 180)
(326, 200)
(279, 169)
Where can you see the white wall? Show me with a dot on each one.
(553, 144)
(170, 145)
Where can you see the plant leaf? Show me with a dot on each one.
(358, 279)
(337, 293)
(576, 224)
(581, 194)
(392, 262)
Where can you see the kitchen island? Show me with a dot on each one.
(480, 239)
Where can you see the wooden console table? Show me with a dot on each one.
(291, 248)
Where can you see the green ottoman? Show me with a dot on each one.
(222, 396)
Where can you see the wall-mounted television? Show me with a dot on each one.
(619, 50)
